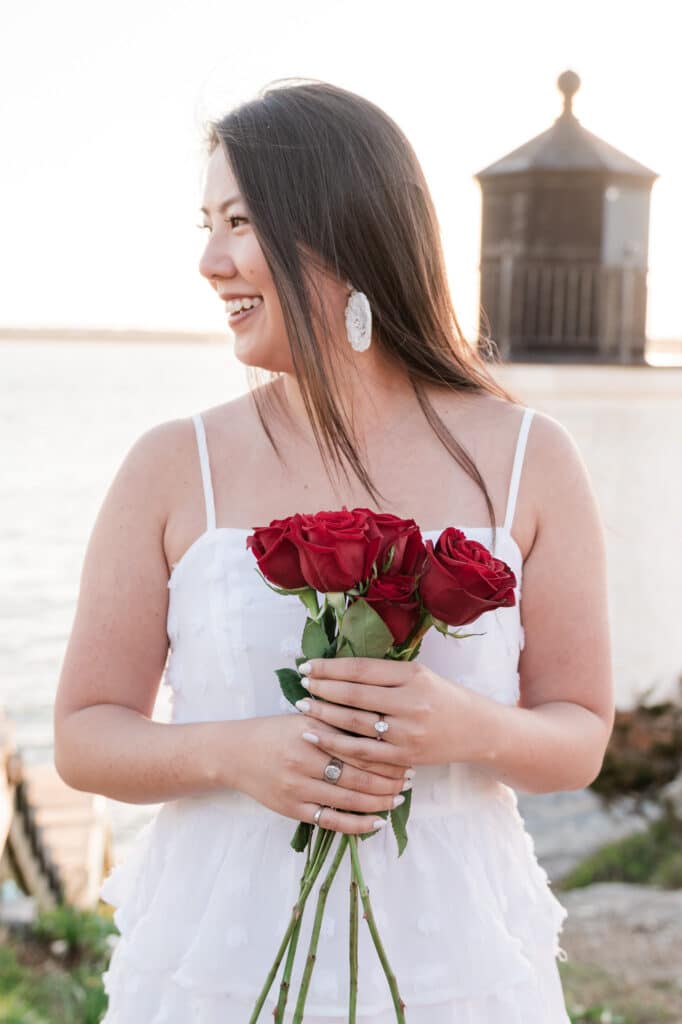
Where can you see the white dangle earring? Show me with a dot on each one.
(358, 316)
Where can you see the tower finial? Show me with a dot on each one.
(568, 83)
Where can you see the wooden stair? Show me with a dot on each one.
(55, 841)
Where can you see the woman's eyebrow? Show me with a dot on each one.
(223, 206)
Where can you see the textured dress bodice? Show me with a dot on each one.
(468, 919)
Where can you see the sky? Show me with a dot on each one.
(102, 108)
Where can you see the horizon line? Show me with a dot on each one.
(168, 334)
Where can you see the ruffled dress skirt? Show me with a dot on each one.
(467, 917)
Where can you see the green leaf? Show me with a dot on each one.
(314, 640)
(301, 836)
(308, 597)
(344, 649)
(379, 814)
(365, 630)
(399, 818)
(290, 684)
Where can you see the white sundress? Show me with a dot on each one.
(469, 922)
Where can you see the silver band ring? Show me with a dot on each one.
(381, 726)
(333, 769)
(316, 815)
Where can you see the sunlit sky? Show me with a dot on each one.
(102, 104)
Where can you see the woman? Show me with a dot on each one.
(313, 199)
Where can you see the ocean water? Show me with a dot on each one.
(69, 412)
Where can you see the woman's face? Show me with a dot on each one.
(234, 264)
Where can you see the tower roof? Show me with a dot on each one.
(567, 146)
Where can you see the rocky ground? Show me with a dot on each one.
(623, 942)
(624, 948)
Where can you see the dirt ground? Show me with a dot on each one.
(624, 948)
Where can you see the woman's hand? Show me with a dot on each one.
(431, 720)
(283, 772)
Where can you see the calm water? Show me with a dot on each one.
(70, 411)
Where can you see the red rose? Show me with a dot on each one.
(463, 579)
(410, 553)
(277, 557)
(393, 597)
(336, 549)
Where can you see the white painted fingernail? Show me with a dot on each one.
(408, 785)
(303, 705)
(398, 800)
(410, 773)
(311, 737)
(304, 668)
(379, 823)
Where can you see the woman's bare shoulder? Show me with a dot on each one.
(172, 444)
(552, 451)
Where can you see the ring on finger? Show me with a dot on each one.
(332, 770)
(318, 812)
(381, 726)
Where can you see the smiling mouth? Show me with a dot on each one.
(242, 314)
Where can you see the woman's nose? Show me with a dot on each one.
(215, 264)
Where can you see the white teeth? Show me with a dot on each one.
(234, 305)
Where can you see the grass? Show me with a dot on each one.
(50, 972)
(651, 857)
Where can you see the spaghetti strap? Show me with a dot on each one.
(205, 471)
(516, 469)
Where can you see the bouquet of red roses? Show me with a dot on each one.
(382, 588)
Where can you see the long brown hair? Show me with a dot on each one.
(331, 181)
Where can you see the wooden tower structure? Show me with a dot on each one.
(564, 247)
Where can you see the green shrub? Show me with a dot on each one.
(39, 987)
(85, 932)
(652, 857)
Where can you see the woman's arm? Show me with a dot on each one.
(556, 737)
(105, 740)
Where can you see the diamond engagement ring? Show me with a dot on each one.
(333, 769)
(381, 727)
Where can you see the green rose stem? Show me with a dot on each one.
(369, 916)
(324, 841)
(288, 967)
(353, 952)
(317, 924)
(286, 980)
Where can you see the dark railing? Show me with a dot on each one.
(545, 306)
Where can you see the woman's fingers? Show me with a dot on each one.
(365, 781)
(390, 771)
(337, 821)
(354, 748)
(346, 719)
(370, 776)
(349, 799)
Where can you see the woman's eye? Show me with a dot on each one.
(207, 227)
